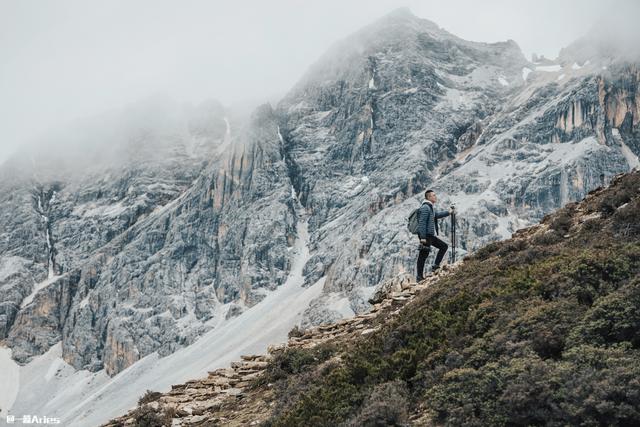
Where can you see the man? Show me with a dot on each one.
(427, 232)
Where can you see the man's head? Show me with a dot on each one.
(430, 195)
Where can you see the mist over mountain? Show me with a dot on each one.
(132, 236)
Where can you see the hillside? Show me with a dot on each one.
(538, 329)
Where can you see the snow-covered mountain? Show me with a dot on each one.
(133, 234)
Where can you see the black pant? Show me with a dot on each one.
(424, 253)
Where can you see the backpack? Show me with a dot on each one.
(413, 221)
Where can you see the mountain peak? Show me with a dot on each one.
(404, 16)
(401, 12)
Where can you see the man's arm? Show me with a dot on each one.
(442, 214)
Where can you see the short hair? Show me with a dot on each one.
(426, 193)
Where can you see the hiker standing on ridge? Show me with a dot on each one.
(427, 232)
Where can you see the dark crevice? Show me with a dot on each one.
(42, 199)
(293, 170)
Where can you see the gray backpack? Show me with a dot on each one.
(413, 221)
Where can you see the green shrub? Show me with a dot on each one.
(600, 386)
(296, 360)
(386, 406)
(625, 220)
(295, 332)
(147, 416)
(486, 251)
(460, 398)
(544, 327)
(326, 402)
(614, 318)
(562, 220)
(149, 396)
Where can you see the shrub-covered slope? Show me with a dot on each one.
(543, 328)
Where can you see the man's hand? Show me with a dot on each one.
(423, 241)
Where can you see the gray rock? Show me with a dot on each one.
(174, 218)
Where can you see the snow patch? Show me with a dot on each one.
(632, 159)
(464, 202)
(352, 186)
(65, 386)
(54, 368)
(320, 115)
(549, 68)
(37, 288)
(490, 174)
(372, 84)
(457, 98)
(367, 292)
(507, 225)
(483, 75)
(302, 105)
(568, 152)
(280, 135)
(340, 303)
(92, 209)
(84, 301)
(10, 265)
(10, 379)
(525, 73)
(504, 227)
(561, 76)
(503, 81)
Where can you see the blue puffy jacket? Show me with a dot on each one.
(427, 221)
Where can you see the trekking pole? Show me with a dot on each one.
(453, 234)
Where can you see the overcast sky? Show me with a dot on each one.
(64, 59)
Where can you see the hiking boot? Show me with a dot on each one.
(435, 269)
(419, 279)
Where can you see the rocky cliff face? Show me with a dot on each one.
(174, 220)
(145, 252)
(402, 105)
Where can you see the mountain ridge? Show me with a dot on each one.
(155, 255)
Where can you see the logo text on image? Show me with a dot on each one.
(33, 419)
